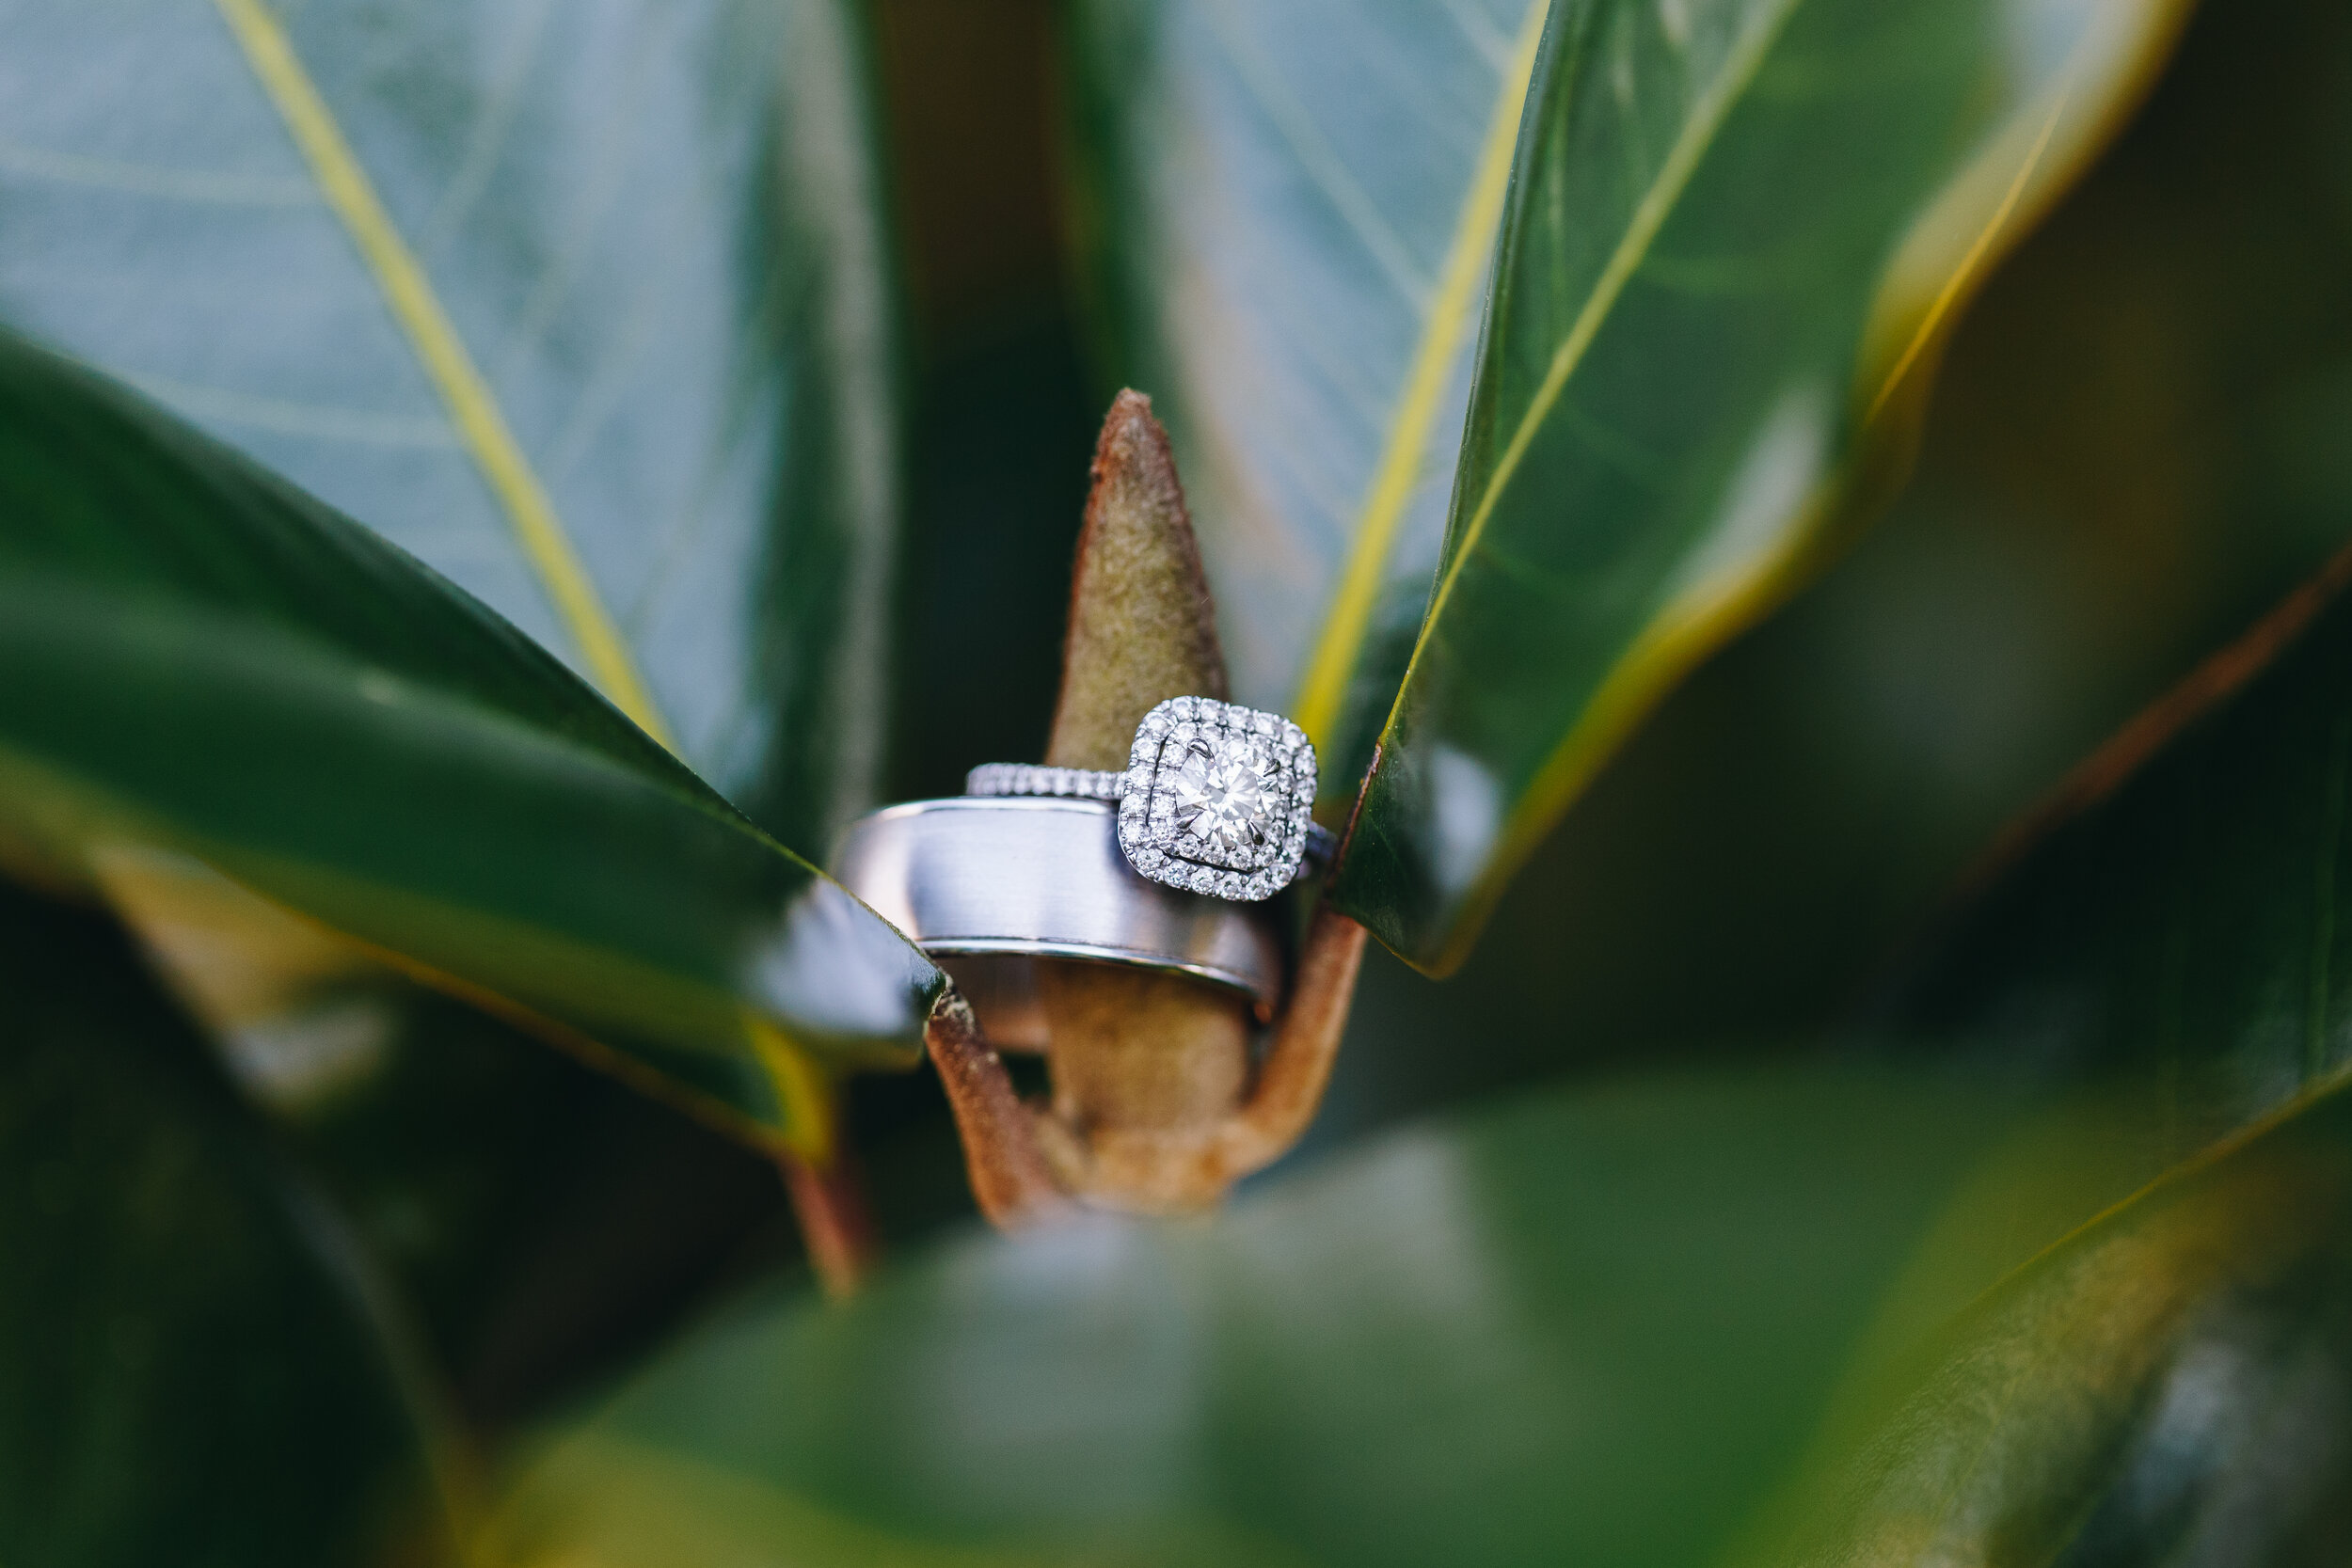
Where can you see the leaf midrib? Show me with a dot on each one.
(408, 293)
(1331, 665)
(1658, 203)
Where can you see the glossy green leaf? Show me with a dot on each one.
(200, 1367)
(1590, 1328)
(2172, 1383)
(1288, 213)
(2135, 446)
(588, 311)
(201, 667)
(1736, 232)
(2172, 919)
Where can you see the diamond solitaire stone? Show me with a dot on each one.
(1223, 795)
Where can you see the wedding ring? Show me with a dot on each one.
(1026, 778)
(1043, 876)
(1217, 798)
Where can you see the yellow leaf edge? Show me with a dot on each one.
(1339, 647)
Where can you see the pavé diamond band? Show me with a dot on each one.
(1217, 798)
(1028, 777)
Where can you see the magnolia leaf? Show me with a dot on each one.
(201, 1368)
(2137, 443)
(205, 674)
(1737, 233)
(1588, 1328)
(2171, 1383)
(588, 312)
(2170, 917)
(528, 1208)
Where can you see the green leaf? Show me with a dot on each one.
(589, 313)
(199, 1368)
(1737, 233)
(1589, 1328)
(533, 1212)
(2173, 917)
(2136, 445)
(200, 664)
(2171, 1384)
(1288, 213)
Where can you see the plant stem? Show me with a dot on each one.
(837, 1224)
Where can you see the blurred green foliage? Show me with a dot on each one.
(211, 667)
(1590, 1326)
(2169, 1383)
(1688, 1287)
(202, 1367)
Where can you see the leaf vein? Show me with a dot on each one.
(1321, 163)
(473, 409)
(1658, 203)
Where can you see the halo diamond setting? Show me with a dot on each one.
(1217, 799)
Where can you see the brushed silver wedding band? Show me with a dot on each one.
(1043, 875)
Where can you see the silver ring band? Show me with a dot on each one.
(1021, 778)
(1044, 877)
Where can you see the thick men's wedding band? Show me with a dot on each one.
(1044, 877)
(1216, 798)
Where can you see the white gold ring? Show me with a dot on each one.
(1043, 878)
(1217, 798)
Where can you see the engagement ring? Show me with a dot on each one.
(1217, 798)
